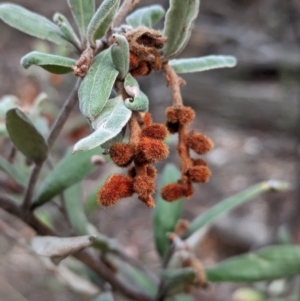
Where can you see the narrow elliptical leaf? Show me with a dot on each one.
(26, 138)
(166, 214)
(178, 25)
(96, 87)
(109, 124)
(83, 11)
(31, 23)
(147, 16)
(120, 55)
(266, 264)
(232, 202)
(202, 63)
(69, 171)
(53, 63)
(101, 20)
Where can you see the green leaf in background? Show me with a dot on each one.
(106, 296)
(26, 138)
(31, 23)
(202, 63)
(96, 87)
(266, 264)
(12, 172)
(53, 63)
(140, 101)
(69, 171)
(75, 211)
(120, 55)
(83, 11)
(101, 20)
(109, 124)
(147, 16)
(178, 25)
(166, 214)
(183, 297)
(67, 30)
(232, 202)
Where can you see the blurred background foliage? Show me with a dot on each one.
(251, 112)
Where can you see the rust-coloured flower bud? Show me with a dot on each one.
(173, 192)
(199, 174)
(172, 115)
(199, 143)
(151, 171)
(185, 115)
(150, 151)
(148, 200)
(199, 162)
(116, 187)
(121, 154)
(143, 186)
(188, 191)
(132, 172)
(155, 131)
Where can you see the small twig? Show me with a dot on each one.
(126, 7)
(31, 185)
(63, 114)
(174, 81)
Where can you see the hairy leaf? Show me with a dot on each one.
(101, 20)
(26, 138)
(12, 172)
(109, 124)
(108, 144)
(67, 30)
(120, 55)
(178, 25)
(232, 202)
(166, 214)
(140, 101)
(96, 87)
(69, 171)
(266, 264)
(7, 102)
(53, 63)
(147, 16)
(31, 23)
(202, 63)
(75, 210)
(83, 11)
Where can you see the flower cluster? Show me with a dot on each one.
(145, 147)
(192, 170)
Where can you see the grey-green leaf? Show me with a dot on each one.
(120, 55)
(96, 87)
(108, 144)
(109, 124)
(147, 16)
(53, 63)
(83, 11)
(69, 171)
(178, 25)
(101, 20)
(232, 202)
(75, 210)
(31, 23)
(266, 264)
(139, 101)
(26, 138)
(166, 214)
(202, 63)
(67, 30)
(7, 102)
(12, 172)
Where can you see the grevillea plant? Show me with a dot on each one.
(114, 47)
